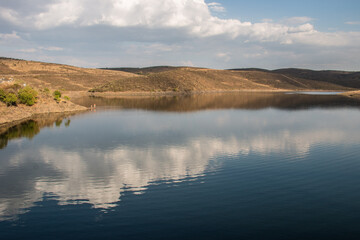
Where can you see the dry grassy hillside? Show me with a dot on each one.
(346, 79)
(196, 79)
(56, 76)
(145, 70)
(163, 79)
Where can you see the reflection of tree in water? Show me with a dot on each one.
(67, 123)
(30, 128)
(58, 122)
(26, 129)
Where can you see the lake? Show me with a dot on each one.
(220, 166)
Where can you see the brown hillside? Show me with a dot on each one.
(145, 70)
(196, 79)
(346, 79)
(56, 76)
(342, 78)
(176, 79)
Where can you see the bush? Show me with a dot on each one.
(27, 95)
(2, 94)
(57, 95)
(66, 98)
(10, 99)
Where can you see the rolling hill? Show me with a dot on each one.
(184, 79)
(346, 79)
(56, 76)
(171, 79)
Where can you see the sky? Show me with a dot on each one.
(220, 34)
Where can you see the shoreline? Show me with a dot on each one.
(14, 115)
(352, 94)
(183, 93)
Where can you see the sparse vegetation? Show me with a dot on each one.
(46, 91)
(27, 95)
(2, 94)
(16, 86)
(67, 98)
(11, 99)
(57, 95)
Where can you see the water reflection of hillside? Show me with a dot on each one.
(31, 128)
(245, 100)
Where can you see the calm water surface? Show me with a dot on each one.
(236, 166)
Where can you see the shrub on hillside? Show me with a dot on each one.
(27, 96)
(2, 94)
(10, 99)
(57, 95)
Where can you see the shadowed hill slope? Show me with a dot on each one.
(346, 79)
(146, 70)
(342, 78)
(56, 76)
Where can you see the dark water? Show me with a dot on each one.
(248, 166)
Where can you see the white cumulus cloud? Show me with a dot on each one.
(163, 26)
(193, 16)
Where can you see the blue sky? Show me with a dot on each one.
(327, 14)
(218, 34)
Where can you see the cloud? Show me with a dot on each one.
(28, 50)
(353, 23)
(297, 20)
(33, 50)
(159, 29)
(216, 7)
(192, 17)
(51, 48)
(9, 36)
(224, 55)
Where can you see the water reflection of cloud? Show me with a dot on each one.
(99, 175)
